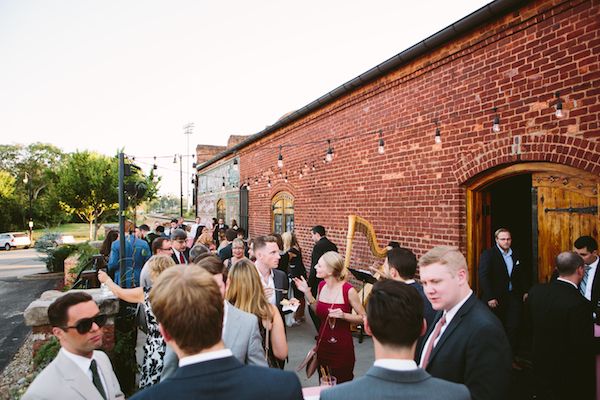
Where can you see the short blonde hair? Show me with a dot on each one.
(187, 302)
(157, 264)
(336, 262)
(445, 255)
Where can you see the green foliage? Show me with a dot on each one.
(123, 354)
(46, 353)
(54, 256)
(7, 184)
(86, 252)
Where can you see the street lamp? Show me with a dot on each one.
(180, 182)
(27, 182)
(188, 129)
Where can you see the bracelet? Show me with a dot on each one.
(311, 302)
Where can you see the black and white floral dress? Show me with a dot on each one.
(154, 349)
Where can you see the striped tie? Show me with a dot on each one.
(584, 281)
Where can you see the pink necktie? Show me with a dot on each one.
(434, 336)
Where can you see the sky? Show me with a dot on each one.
(105, 75)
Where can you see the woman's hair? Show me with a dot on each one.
(111, 236)
(158, 263)
(335, 261)
(233, 222)
(289, 241)
(245, 290)
(238, 243)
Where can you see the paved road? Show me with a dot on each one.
(16, 293)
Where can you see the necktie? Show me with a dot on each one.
(181, 259)
(96, 379)
(583, 284)
(434, 336)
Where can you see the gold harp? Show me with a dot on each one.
(356, 223)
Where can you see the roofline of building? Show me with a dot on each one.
(477, 18)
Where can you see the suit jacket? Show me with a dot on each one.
(281, 281)
(494, 279)
(226, 252)
(186, 254)
(473, 350)
(242, 337)
(381, 383)
(63, 379)
(225, 378)
(321, 247)
(562, 332)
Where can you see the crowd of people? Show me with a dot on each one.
(215, 307)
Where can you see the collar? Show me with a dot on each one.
(594, 264)
(201, 357)
(396, 364)
(567, 281)
(409, 281)
(452, 312)
(505, 253)
(82, 362)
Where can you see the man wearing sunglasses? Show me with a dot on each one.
(79, 371)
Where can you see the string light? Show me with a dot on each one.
(381, 147)
(280, 158)
(329, 154)
(236, 166)
(285, 179)
(438, 134)
(496, 124)
(269, 183)
(559, 106)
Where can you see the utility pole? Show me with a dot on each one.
(188, 129)
(28, 182)
(180, 182)
(122, 220)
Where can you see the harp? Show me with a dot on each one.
(356, 223)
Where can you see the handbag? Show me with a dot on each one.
(311, 361)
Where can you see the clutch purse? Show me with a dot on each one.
(310, 362)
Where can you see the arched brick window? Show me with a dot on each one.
(282, 212)
(221, 210)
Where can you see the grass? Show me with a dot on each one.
(81, 231)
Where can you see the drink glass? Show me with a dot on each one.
(328, 381)
(331, 322)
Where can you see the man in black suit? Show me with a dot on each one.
(466, 344)
(322, 246)
(221, 225)
(502, 280)
(226, 252)
(181, 253)
(275, 282)
(192, 325)
(562, 331)
(587, 248)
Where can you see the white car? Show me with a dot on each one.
(12, 240)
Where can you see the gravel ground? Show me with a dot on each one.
(18, 374)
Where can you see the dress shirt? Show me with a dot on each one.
(268, 283)
(569, 282)
(507, 255)
(395, 364)
(178, 254)
(591, 274)
(84, 364)
(201, 357)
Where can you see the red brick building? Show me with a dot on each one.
(538, 175)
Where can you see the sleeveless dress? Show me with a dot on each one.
(336, 347)
(273, 361)
(154, 348)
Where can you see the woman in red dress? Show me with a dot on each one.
(335, 300)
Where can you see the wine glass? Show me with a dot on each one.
(331, 322)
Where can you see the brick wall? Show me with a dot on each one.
(414, 193)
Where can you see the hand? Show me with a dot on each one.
(525, 297)
(377, 269)
(336, 313)
(103, 276)
(493, 303)
(293, 301)
(269, 292)
(301, 284)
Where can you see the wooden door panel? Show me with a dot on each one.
(564, 214)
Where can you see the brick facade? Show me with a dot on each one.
(415, 192)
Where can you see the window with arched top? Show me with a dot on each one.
(282, 212)
(221, 209)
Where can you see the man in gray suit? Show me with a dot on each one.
(240, 329)
(79, 371)
(395, 320)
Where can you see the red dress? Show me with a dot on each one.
(336, 347)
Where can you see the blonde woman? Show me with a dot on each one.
(206, 238)
(154, 348)
(245, 291)
(335, 301)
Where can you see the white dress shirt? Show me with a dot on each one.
(268, 283)
(211, 355)
(84, 364)
(591, 274)
(395, 364)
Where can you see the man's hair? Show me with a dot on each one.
(144, 227)
(588, 242)
(197, 250)
(499, 231)
(230, 234)
(567, 263)
(320, 229)
(188, 304)
(59, 309)
(445, 255)
(261, 241)
(404, 261)
(178, 234)
(175, 220)
(160, 229)
(241, 231)
(212, 264)
(395, 313)
(158, 243)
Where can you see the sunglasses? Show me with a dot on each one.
(85, 325)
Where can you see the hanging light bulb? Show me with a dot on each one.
(381, 147)
(559, 106)
(496, 124)
(269, 183)
(175, 159)
(313, 166)
(248, 184)
(285, 179)
(300, 175)
(236, 166)
(329, 154)
(223, 185)
(438, 134)
(280, 159)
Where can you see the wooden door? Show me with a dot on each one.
(567, 207)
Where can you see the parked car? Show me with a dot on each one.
(53, 239)
(12, 240)
(64, 239)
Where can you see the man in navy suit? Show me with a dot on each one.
(561, 319)
(466, 344)
(502, 280)
(395, 321)
(189, 307)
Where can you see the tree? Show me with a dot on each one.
(88, 187)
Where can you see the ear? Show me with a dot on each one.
(367, 326)
(57, 332)
(164, 333)
(423, 327)
(462, 275)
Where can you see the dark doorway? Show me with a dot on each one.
(511, 209)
